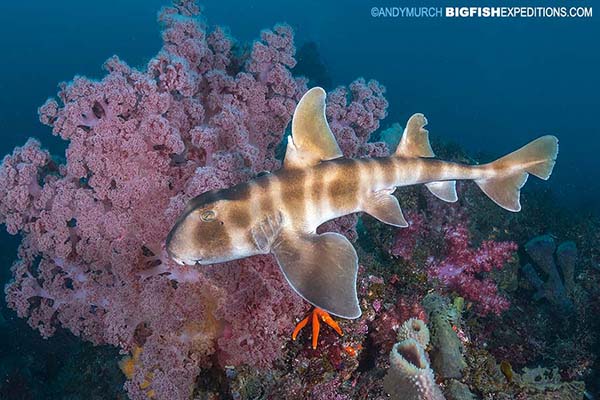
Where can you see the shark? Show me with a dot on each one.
(279, 212)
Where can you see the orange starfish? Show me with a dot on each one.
(317, 314)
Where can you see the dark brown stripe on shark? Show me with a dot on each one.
(343, 187)
(293, 192)
(366, 171)
(262, 193)
(239, 215)
(317, 193)
(238, 192)
(387, 170)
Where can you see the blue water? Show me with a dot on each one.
(489, 85)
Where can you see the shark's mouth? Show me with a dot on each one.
(186, 262)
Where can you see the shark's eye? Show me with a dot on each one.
(208, 215)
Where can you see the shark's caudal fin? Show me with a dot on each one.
(415, 143)
(537, 158)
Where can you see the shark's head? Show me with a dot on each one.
(208, 230)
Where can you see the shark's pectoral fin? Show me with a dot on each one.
(312, 141)
(321, 269)
(383, 206)
(443, 190)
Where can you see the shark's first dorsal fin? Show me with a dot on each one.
(415, 139)
(312, 141)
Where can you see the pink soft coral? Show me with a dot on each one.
(463, 268)
(459, 267)
(141, 143)
(406, 239)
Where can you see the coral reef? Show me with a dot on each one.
(462, 265)
(447, 350)
(559, 285)
(405, 240)
(457, 265)
(544, 383)
(385, 328)
(410, 375)
(531, 383)
(456, 390)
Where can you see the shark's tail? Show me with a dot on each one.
(537, 158)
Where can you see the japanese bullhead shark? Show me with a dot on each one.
(279, 212)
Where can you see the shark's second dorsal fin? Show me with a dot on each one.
(312, 141)
(415, 139)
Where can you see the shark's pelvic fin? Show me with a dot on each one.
(383, 206)
(415, 139)
(443, 190)
(321, 269)
(312, 141)
(537, 158)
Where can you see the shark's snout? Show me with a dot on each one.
(178, 250)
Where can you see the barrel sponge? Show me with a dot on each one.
(414, 328)
(409, 376)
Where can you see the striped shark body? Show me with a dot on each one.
(279, 212)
